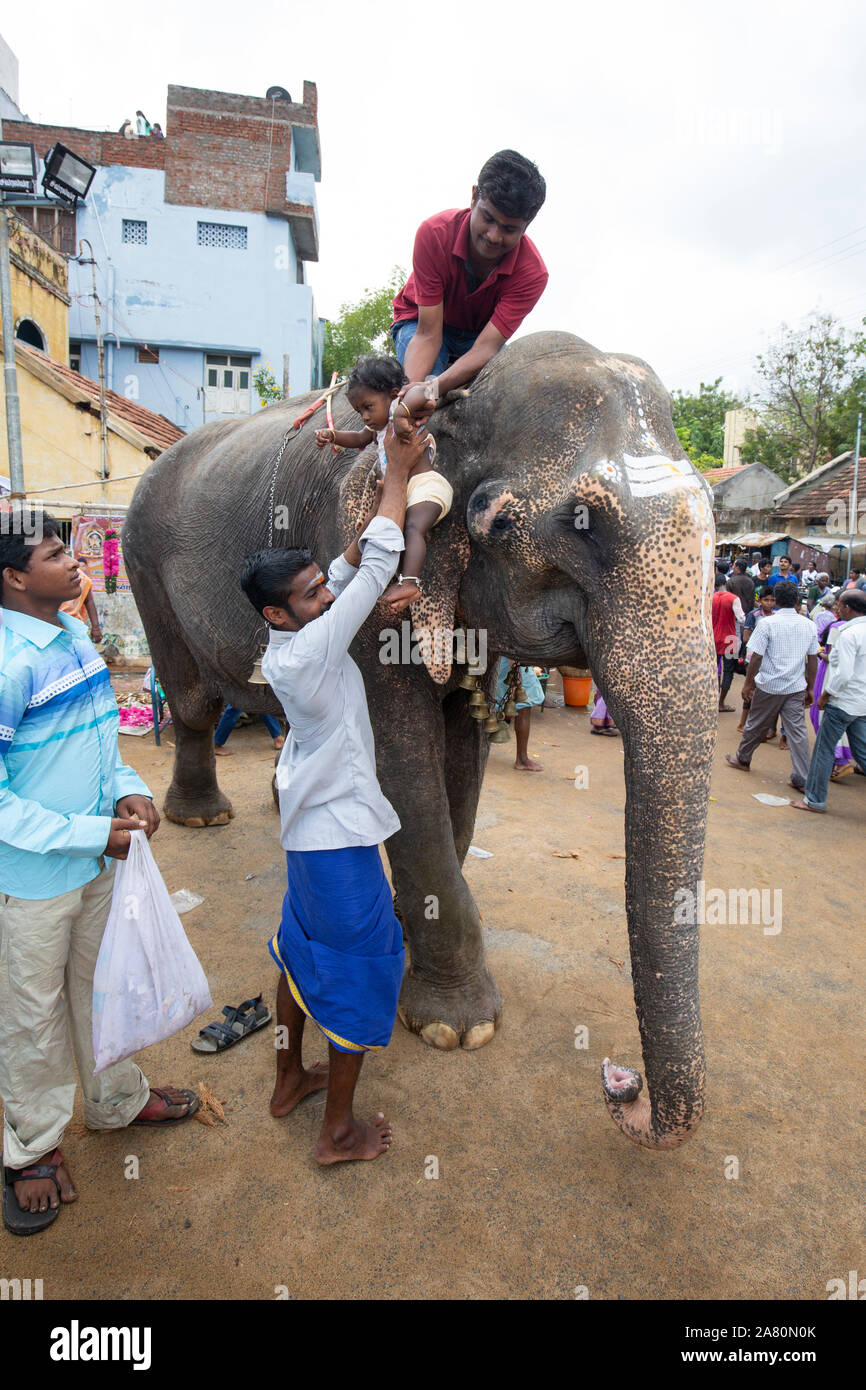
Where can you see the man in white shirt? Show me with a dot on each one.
(339, 945)
(780, 678)
(843, 701)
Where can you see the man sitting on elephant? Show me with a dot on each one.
(475, 277)
(339, 945)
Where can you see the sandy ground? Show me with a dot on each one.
(537, 1194)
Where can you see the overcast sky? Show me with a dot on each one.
(698, 157)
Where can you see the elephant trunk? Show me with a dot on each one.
(669, 737)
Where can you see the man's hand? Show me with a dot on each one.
(95, 633)
(141, 808)
(822, 700)
(403, 453)
(748, 690)
(120, 836)
(808, 696)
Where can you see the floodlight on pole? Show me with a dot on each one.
(17, 166)
(67, 175)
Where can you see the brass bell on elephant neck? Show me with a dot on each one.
(510, 709)
(257, 678)
(468, 682)
(491, 724)
(477, 698)
(520, 695)
(479, 711)
(502, 734)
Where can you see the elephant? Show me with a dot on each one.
(580, 534)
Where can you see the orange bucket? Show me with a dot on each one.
(576, 690)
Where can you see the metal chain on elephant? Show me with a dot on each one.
(277, 461)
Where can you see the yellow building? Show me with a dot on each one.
(61, 415)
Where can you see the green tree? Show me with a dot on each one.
(811, 379)
(361, 328)
(699, 421)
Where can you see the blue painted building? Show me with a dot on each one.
(200, 242)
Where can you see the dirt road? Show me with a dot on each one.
(537, 1194)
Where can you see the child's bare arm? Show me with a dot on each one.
(345, 439)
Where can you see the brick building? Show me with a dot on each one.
(200, 241)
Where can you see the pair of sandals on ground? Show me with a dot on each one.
(42, 1207)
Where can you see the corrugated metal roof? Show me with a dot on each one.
(833, 486)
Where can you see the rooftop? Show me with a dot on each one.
(149, 431)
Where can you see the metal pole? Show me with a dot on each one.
(853, 526)
(10, 375)
(100, 358)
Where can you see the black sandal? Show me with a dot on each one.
(26, 1223)
(239, 1022)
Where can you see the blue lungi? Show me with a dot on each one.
(528, 679)
(340, 945)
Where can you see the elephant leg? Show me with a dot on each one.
(448, 994)
(193, 798)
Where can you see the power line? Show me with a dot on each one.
(804, 254)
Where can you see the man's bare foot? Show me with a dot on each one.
(529, 765)
(290, 1090)
(783, 744)
(727, 709)
(38, 1194)
(733, 761)
(222, 752)
(358, 1141)
(279, 741)
(804, 806)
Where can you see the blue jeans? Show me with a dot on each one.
(230, 717)
(834, 723)
(455, 341)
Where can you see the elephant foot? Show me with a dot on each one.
(465, 1015)
(197, 813)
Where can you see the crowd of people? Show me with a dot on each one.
(800, 644)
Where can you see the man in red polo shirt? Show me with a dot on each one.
(475, 277)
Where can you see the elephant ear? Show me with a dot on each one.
(434, 614)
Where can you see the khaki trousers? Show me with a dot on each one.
(48, 951)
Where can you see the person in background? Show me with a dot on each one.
(743, 585)
(83, 608)
(157, 131)
(143, 126)
(763, 576)
(764, 606)
(843, 701)
(755, 566)
(727, 613)
(809, 575)
(600, 721)
(534, 696)
(228, 720)
(783, 572)
(127, 131)
(822, 590)
(781, 648)
(828, 623)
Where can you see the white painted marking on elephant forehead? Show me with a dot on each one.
(647, 439)
(706, 565)
(653, 474)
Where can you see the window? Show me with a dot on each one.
(147, 354)
(30, 332)
(56, 225)
(222, 234)
(227, 384)
(134, 232)
(75, 356)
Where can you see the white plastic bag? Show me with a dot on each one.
(148, 982)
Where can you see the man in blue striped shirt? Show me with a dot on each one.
(67, 807)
